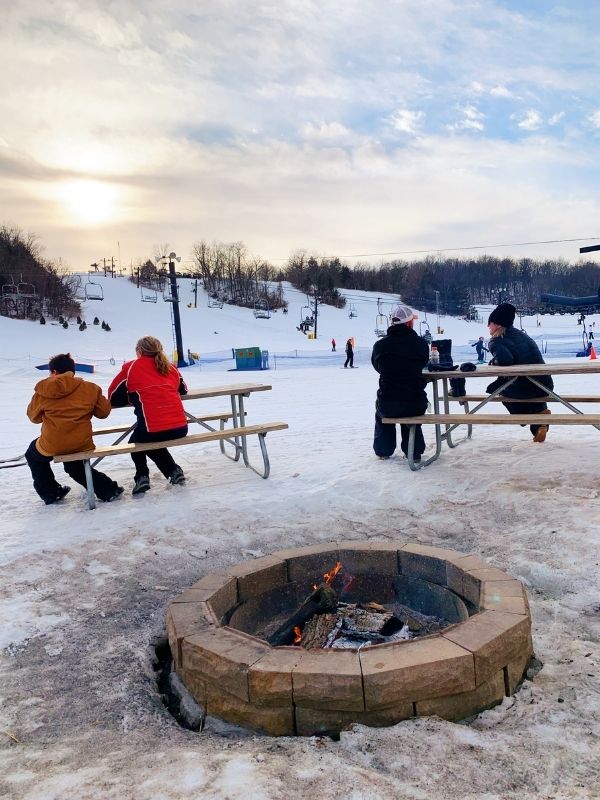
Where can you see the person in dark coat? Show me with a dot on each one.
(510, 346)
(480, 349)
(349, 354)
(399, 357)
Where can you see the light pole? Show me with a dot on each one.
(174, 299)
(437, 309)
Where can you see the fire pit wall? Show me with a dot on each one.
(239, 677)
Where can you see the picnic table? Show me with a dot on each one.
(446, 422)
(234, 436)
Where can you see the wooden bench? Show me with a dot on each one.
(569, 398)
(452, 421)
(234, 436)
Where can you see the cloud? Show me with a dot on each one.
(531, 121)
(554, 119)
(325, 131)
(594, 118)
(472, 119)
(501, 91)
(406, 121)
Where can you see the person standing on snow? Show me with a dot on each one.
(65, 405)
(480, 348)
(333, 345)
(400, 357)
(349, 354)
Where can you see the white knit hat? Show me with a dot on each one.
(401, 314)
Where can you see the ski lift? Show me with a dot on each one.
(9, 290)
(93, 291)
(262, 310)
(26, 289)
(306, 315)
(148, 295)
(381, 321)
(214, 301)
(424, 331)
(353, 311)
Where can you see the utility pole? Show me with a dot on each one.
(437, 309)
(195, 290)
(170, 260)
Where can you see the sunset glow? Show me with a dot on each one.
(88, 202)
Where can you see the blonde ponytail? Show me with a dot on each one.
(151, 346)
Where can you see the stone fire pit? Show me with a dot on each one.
(216, 630)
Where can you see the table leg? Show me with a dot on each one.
(89, 482)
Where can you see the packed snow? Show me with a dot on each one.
(84, 593)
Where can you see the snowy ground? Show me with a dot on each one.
(83, 594)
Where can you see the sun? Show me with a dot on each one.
(88, 202)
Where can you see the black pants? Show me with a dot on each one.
(349, 359)
(162, 458)
(526, 408)
(46, 484)
(384, 440)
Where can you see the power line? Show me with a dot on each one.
(453, 249)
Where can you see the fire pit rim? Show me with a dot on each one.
(204, 646)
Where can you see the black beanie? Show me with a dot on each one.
(504, 315)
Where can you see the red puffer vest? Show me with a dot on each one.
(155, 397)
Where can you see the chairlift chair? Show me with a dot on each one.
(262, 310)
(148, 295)
(26, 289)
(93, 291)
(381, 320)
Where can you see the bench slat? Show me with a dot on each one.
(496, 419)
(122, 428)
(570, 398)
(209, 436)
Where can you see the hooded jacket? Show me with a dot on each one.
(65, 406)
(516, 347)
(399, 358)
(155, 398)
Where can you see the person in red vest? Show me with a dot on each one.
(153, 386)
(333, 345)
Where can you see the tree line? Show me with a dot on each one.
(230, 274)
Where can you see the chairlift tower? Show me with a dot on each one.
(173, 298)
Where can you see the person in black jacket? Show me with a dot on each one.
(399, 357)
(510, 346)
(349, 354)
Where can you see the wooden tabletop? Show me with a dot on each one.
(226, 391)
(485, 371)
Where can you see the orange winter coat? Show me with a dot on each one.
(65, 406)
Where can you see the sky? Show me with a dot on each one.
(354, 128)
(84, 594)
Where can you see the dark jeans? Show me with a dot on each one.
(161, 457)
(384, 440)
(349, 359)
(526, 408)
(46, 484)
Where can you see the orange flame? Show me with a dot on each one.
(329, 576)
(297, 635)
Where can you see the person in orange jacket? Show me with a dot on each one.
(65, 405)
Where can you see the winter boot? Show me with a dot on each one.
(177, 477)
(142, 484)
(542, 431)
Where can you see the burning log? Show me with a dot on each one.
(322, 600)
